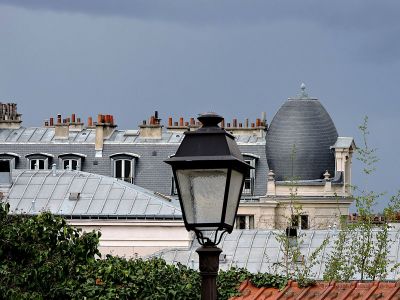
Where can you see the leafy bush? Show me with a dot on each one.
(42, 257)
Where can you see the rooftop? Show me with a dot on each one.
(77, 194)
(46, 135)
(260, 250)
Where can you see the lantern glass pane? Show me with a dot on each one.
(235, 190)
(202, 192)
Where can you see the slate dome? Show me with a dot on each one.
(299, 138)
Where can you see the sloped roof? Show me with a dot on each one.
(323, 290)
(77, 194)
(87, 136)
(259, 250)
(344, 142)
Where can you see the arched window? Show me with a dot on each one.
(10, 159)
(39, 161)
(123, 166)
(71, 161)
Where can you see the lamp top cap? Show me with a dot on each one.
(210, 119)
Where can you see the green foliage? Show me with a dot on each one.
(268, 280)
(362, 247)
(120, 278)
(42, 257)
(40, 254)
(229, 281)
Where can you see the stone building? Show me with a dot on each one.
(299, 158)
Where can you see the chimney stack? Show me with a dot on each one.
(152, 130)
(61, 129)
(257, 128)
(104, 129)
(9, 117)
(75, 124)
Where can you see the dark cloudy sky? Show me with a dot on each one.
(182, 57)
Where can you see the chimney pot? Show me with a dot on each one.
(258, 123)
(73, 118)
(112, 120)
(240, 125)
(181, 121)
(246, 123)
(51, 121)
(169, 121)
(99, 119)
(228, 124)
(253, 125)
(90, 121)
(192, 122)
(223, 123)
(46, 123)
(144, 122)
(176, 124)
(186, 124)
(152, 120)
(234, 123)
(58, 119)
(78, 120)
(156, 114)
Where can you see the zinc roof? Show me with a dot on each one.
(87, 135)
(260, 251)
(344, 142)
(77, 194)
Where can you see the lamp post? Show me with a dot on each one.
(209, 173)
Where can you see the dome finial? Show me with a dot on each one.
(303, 93)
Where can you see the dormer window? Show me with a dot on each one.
(10, 158)
(123, 166)
(250, 176)
(71, 161)
(39, 161)
(71, 164)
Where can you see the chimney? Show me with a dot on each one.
(246, 128)
(75, 124)
(61, 130)
(152, 130)
(9, 117)
(180, 125)
(90, 122)
(104, 129)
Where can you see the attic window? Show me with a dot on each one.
(74, 196)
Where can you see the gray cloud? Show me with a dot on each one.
(374, 23)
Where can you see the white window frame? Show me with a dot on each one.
(131, 178)
(45, 163)
(248, 221)
(70, 157)
(300, 224)
(45, 157)
(78, 163)
(125, 156)
(252, 180)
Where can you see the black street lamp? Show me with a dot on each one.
(209, 173)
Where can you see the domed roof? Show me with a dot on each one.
(299, 138)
